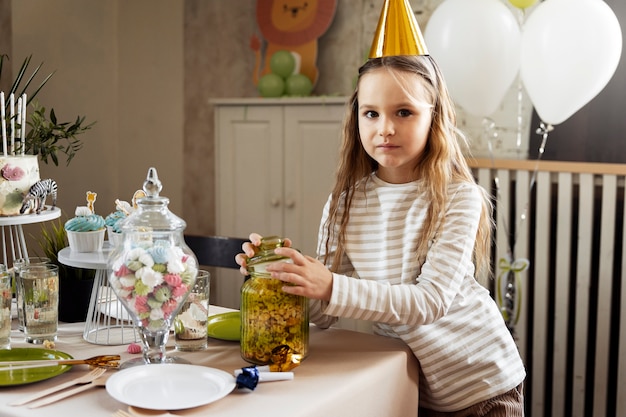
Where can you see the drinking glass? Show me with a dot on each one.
(39, 285)
(17, 265)
(190, 325)
(5, 308)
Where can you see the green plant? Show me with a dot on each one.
(52, 239)
(47, 136)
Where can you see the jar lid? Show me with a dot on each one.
(152, 210)
(266, 254)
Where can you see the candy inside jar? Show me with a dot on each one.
(271, 319)
(153, 277)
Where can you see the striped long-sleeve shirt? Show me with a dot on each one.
(436, 306)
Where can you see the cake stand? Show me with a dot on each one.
(13, 242)
(108, 322)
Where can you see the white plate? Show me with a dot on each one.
(169, 386)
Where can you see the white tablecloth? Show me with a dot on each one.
(346, 374)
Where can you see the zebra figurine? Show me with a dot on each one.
(36, 197)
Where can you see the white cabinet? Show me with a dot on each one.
(275, 166)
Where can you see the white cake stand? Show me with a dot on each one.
(108, 322)
(13, 242)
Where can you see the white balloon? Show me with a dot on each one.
(570, 50)
(477, 45)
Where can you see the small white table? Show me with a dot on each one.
(108, 322)
(13, 242)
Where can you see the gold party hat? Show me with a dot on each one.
(398, 32)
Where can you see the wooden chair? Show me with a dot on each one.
(217, 251)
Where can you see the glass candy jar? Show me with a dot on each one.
(271, 319)
(152, 271)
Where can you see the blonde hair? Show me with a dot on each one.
(441, 163)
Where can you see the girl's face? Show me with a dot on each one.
(394, 118)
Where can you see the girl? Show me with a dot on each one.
(400, 234)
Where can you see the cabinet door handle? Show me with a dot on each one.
(291, 203)
(275, 202)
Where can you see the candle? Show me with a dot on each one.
(4, 123)
(12, 113)
(23, 136)
(19, 122)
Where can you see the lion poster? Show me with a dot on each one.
(294, 26)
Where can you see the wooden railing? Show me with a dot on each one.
(568, 220)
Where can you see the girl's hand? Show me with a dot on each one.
(306, 276)
(250, 249)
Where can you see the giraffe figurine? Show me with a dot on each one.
(91, 199)
(138, 194)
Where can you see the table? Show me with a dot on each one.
(107, 321)
(13, 242)
(346, 374)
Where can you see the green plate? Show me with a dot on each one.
(27, 376)
(225, 326)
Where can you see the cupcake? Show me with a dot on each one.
(113, 224)
(115, 220)
(85, 231)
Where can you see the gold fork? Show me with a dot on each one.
(102, 361)
(85, 379)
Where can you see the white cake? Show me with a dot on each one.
(17, 175)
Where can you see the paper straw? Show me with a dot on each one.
(23, 123)
(4, 123)
(12, 109)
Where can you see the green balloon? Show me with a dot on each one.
(271, 85)
(299, 85)
(282, 63)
